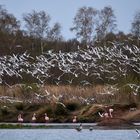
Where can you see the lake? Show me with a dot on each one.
(68, 134)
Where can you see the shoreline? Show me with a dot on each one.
(65, 126)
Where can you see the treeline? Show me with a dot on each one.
(91, 27)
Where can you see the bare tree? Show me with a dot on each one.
(54, 34)
(135, 29)
(84, 22)
(106, 22)
(37, 24)
(9, 26)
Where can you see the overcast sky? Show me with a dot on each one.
(63, 11)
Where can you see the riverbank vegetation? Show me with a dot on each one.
(61, 103)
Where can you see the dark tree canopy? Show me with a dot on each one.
(8, 22)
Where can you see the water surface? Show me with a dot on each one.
(67, 134)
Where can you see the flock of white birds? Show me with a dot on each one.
(92, 64)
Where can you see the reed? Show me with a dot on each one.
(99, 94)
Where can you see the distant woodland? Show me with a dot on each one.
(91, 27)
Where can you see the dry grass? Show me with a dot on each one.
(51, 94)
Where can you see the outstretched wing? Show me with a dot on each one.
(138, 131)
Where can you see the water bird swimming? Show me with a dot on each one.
(79, 128)
(91, 128)
(138, 133)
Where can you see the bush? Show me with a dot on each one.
(83, 119)
(4, 111)
(72, 106)
(60, 110)
(49, 110)
(19, 106)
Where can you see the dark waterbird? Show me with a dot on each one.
(79, 128)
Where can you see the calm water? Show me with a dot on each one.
(67, 134)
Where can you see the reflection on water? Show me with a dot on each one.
(67, 134)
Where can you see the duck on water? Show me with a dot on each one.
(79, 128)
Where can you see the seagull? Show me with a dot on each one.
(84, 83)
(70, 81)
(101, 115)
(61, 104)
(48, 93)
(57, 82)
(138, 132)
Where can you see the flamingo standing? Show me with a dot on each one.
(74, 119)
(110, 112)
(46, 117)
(34, 117)
(20, 119)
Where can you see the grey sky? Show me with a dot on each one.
(63, 11)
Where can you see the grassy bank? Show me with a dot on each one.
(59, 114)
(20, 126)
(61, 103)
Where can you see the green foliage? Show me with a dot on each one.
(20, 126)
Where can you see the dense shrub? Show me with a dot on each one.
(60, 110)
(72, 106)
(19, 106)
(4, 111)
